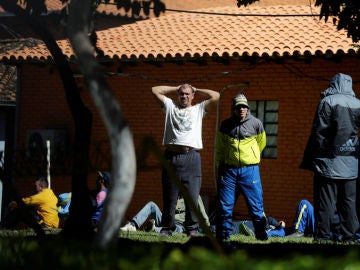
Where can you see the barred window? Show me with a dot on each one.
(268, 112)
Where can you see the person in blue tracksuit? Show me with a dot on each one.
(303, 224)
(239, 143)
(274, 228)
(332, 154)
(304, 221)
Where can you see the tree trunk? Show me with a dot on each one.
(121, 142)
(78, 224)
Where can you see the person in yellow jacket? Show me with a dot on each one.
(43, 205)
(239, 143)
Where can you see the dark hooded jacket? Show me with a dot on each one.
(332, 148)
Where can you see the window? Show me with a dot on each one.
(268, 112)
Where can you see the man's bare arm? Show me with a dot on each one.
(162, 90)
(212, 97)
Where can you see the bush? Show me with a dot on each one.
(149, 251)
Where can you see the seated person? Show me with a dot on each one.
(42, 206)
(64, 201)
(102, 184)
(151, 210)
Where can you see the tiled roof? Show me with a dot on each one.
(175, 6)
(220, 31)
(7, 85)
(180, 5)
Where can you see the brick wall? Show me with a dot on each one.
(295, 84)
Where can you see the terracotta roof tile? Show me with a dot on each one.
(171, 5)
(234, 32)
(218, 34)
(8, 77)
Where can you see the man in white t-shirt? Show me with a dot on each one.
(182, 140)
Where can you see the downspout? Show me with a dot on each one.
(243, 86)
(8, 190)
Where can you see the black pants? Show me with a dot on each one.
(331, 196)
(187, 167)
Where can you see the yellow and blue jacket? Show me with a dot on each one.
(240, 143)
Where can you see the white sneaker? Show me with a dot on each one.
(128, 227)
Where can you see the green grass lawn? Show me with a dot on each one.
(149, 250)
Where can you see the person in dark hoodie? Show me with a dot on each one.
(332, 154)
(239, 143)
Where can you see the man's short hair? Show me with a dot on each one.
(43, 182)
(186, 85)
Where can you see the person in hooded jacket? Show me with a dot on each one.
(239, 143)
(332, 154)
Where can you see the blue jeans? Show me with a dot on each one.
(151, 210)
(233, 182)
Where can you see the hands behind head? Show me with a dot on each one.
(186, 85)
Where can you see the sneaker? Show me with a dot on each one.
(165, 233)
(245, 230)
(192, 233)
(129, 227)
(150, 226)
(296, 234)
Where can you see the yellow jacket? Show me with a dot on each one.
(240, 143)
(45, 204)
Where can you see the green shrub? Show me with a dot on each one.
(149, 251)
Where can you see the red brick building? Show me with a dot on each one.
(281, 63)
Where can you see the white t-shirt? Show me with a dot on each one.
(183, 126)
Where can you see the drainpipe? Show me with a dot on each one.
(242, 86)
(48, 161)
